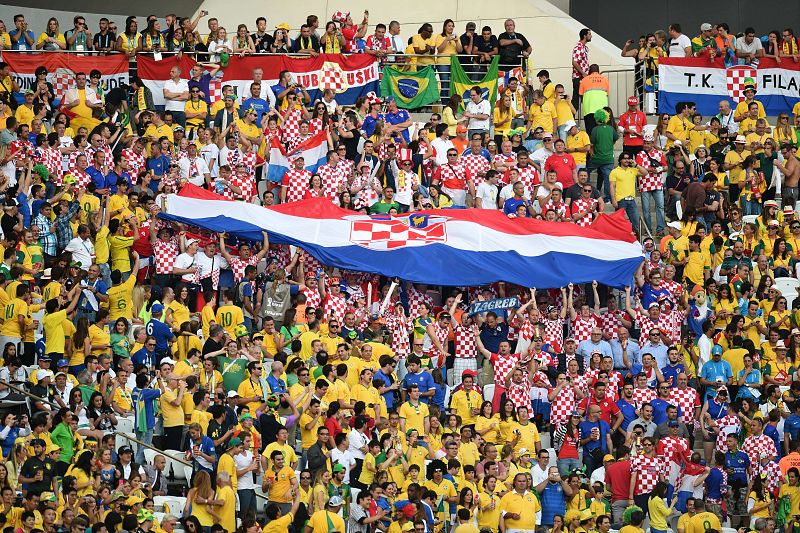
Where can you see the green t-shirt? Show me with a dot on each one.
(603, 137)
(383, 207)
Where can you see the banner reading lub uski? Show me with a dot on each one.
(708, 82)
(348, 76)
(61, 70)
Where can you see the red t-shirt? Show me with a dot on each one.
(563, 164)
(607, 406)
(619, 475)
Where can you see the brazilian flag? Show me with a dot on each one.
(460, 82)
(410, 89)
(233, 372)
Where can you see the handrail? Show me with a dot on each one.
(115, 432)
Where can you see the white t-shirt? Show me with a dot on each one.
(181, 86)
(344, 458)
(481, 108)
(678, 46)
(194, 170)
(210, 153)
(488, 195)
(184, 261)
(242, 461)
(441, 147)
(356, 441)
(508, 192)
(752, 48)
(82, 251)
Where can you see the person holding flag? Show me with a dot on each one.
(144, 409)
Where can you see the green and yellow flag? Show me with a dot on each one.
(233, 372)
(460, 82)
(410, 89)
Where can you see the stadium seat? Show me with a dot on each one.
(173, 505)
(149, 455)
(788, 288)
(488, 392)
(750, 219)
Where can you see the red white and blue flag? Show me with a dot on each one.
(459, 247)
(314, 151)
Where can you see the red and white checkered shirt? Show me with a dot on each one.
(136, 162)
(579, 206)
(774, 476)
(672, 448)
(526, 330)
(441, 335)
(50, 157)
(82, 179)
(452, 176)
(165, 253)
(580, 55)
(72, 165)
(728, 424)
(612, 321)
(754, 447)
(464, 343)
(399, 328)
(687, 401)
(582, 328)
(501, 366)
(506, 160)
(367, 187)
(646, 323)
(313, 298)
(642, 396)
(315, 125)
(562, 405)
(673, 322)
(296, 183)
(237, 266)
(294, 142)
(554, 332)
(476, 165)
(529, 176)
(332, 178)
(281, 253)
(415, 301)
(673, 287)
(109, 160)
(560, 208)
(21, 148)
(648, 470)
(291, 126)
(652, 180)
(336, 304)
(247, 184)
(519, 393)
(312, 263)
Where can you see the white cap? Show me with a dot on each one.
(523, 451)
(674, 225)
(569, 124)
(173, 362)
(42, 373)
(677, 143)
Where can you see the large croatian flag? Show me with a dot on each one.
(708, 82)
(314, 151)
(459, 247)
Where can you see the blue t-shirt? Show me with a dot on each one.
(660, 410)
(492, 337)
(22, 44)
(651, 294)
(398, 118)
(148, 396)
(162, 333)
(672, 371)
(792, 426)
(423, 380)
(276, 385)
(144, 357)
(716, 371)
(772, 432)
(368, 127)
(586, 431)
(737, 464)
(99, 286)
(389, 395)
(159, 165)
(100, 181)
(112, 179)
(714, 484)
(511, 205)
(553, 502)
(628, 413)
(259, 104)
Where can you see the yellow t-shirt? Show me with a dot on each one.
(564, 111)
(320, 520)
(13, 310)
(280, 525)
(180, 313)
(228, 509)
(195, 107)
(173, 415)
(529, 437)
(53, 324)
(120, 300)
(736, 174)
(579, 140)
(525, 505)
(289, 455)
(543, 115)
(101, 249)
(679, 127)
(414, 415)
(90, 204)
(99, 336)
(625, 182)
(463, 403)
(119, 246)
(367, 476)
(309, 436)
(702, 522)
(417, 41)
(230, 316)
(282, 482)
(24, 115)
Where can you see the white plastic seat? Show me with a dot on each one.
(749, 219)
(173, 505)
(488, 392)
(787, 286)
(150, 455)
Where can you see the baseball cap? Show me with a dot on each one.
(705, 26)
(190, 242)
(125, 449)
(157, 308)
(144, 515)
(632, 100)
(232, 394)
(42, 373)
(471, 26)
(48, 497)
(674, 225)
(52, 448)
(338, 468)
(547, 135)
(235, 441)
(335, 501)
(460, 128)
(283, 26)
(568, 124)
(116, 495)
(389, 99)
(38, 442)
(245, 417)
(608, 457)
(673, 424)
(172, 362)
(62, 363)
(523, 451)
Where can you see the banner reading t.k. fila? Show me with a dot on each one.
(707, 83)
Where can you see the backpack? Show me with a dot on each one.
(238, 295)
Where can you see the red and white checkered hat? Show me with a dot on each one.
(373, 98)
(404, 154)
(340, 16)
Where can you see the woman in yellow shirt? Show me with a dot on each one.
(178, 309)
(80, 346)
(447, 44)
(487, 426)
(200, 500)
(503, 114)
(658, 509)
(760, 501)
(780, 317)
(424, 45)
(725, 306)
(85, 481)
(52, 39)
(784, 133)
(507, 418)
(449, 114)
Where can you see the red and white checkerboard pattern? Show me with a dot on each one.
(109, 158)
(452, 176)
(734, 78)
(582, 328)
(756, 446)
(332, 179)
(335, 304)
(611, 320)
(247, 184)
(504, 160)
(774, 475)
(441, 335)
(331, 76)
(165, 253)
(294, 142)
(415, 301)
(475, 164)
(400, 328)
(529, 176)
(579, 206)
(687, 400)
(291, 125)
(519, 394)
(315, 125)
(648, 470)
(673, 321)
(62, 82)
(560, 208)
(312, 263)
(501, 366)
(367, 187)
(82, 179)
(136, 162)
(313, 298)
(281, 253)
(215, 89)
(645, 322)
(237, 265)
(554, 332)
(671, 448)
(296, 183)
(726, 425)
(51, 158)
(391, 234)
(652, 181)
(562, 405)
(526, 330)
(464, 343)
(673, 287)
(642, 396)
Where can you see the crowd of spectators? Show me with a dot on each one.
(671, 404)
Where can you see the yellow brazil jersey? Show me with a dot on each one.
(289, 455)
(529, 437)
(324, 521)
(309, 436)
(679, 127)
(159, 131)
(90, 204)
(230, 316)
(525, 505)
(13, 310)
(119, 246)
(281, 484)
(54, 331)
(489, 518)
(742, 109)
(414, 416)
(179, 312)
(368, 395)
(463, 402)
(702, 522)
(99, 337)
(251, 389)
(120, 300)
(51, 290)
(207, 317)
(118, 203)
(699, 263)
(101, 248)
(173, 414)
(736, 174)
(543, 115)
(579, 140)
(195, 107)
